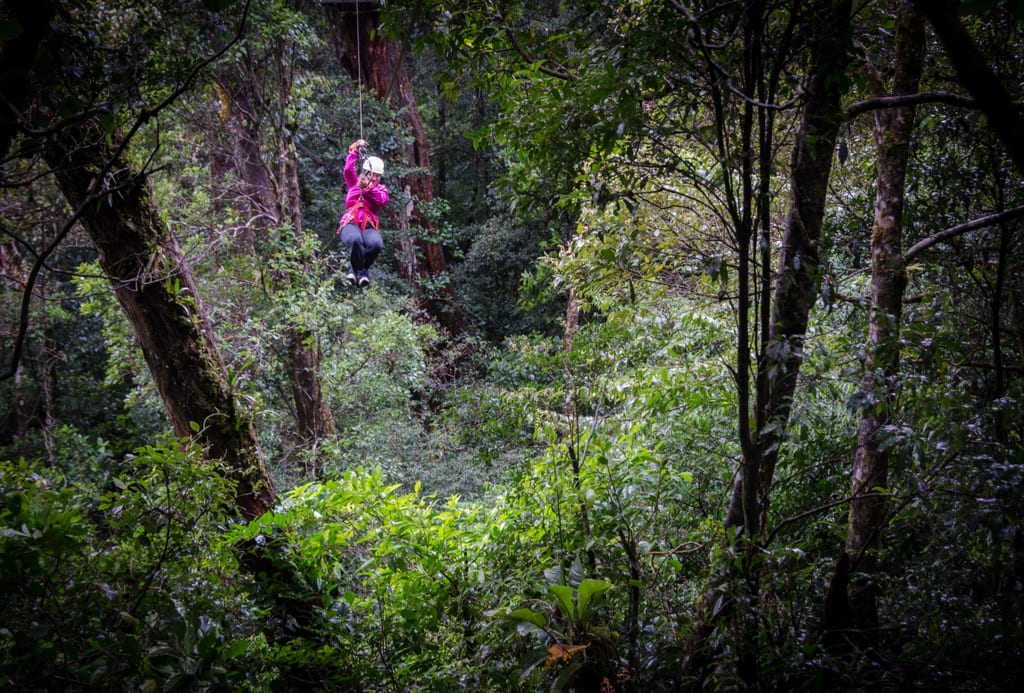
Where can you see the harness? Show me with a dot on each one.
(368, 216)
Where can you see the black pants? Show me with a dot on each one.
(364, 246)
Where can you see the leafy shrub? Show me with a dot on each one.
(120, 589)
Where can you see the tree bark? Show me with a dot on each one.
(153, 284)
(247, 160)
(893, 130)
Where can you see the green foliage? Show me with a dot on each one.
(397, 581)
(570, 634)
(402, 589)
(601, 462)
(119, 589)
(124, 359)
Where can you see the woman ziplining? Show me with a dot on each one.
(359, 227)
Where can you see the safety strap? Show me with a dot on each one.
(351, 211)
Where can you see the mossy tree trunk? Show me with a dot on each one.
(976, 75)
(893, 129)
(154, 286)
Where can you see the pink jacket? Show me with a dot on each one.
(372, 198)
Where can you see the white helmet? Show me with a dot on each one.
(374, 165)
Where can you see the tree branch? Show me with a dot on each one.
(820, 509)
(861, 107)
(953, 231)
(37, 266)
(94, 195)
(976, 75)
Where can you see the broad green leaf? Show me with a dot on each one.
(589, 590)
(564, 596)
(523, 614)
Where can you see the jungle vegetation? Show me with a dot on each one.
(693, 360)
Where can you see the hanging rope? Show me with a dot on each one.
(359, 70)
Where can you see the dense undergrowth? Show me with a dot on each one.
(574, 561)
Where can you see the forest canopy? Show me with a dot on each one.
(691, 360)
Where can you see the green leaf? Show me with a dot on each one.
(532, 660)
(590, 590)
(563, 595)
(237, 648)
(565, 676)
(217, 5)
(529, 615)
(553, 575)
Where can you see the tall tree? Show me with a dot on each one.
(595, 98)
(70, 118)
(378, 64)
(893, 130)
(256, 94)
(893, 78)
(153, 284)
(796, 282)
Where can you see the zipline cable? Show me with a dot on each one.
(359, 70)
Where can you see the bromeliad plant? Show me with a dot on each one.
(573, 638)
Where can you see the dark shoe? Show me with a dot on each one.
(351, 276)
(364, 279)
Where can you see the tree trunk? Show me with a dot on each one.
(796, 284)
(378, 65)
(314, 418)
(256, 190)
(976, 75)
(795, 290)
(893, 130)
(271, 202)
(153, 284)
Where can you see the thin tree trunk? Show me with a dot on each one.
(153, 284)
(998, 290)
(795, 290)
(893, 130)
(314, 418)
(247, 160)
(796, 283)
(15, 280)
(271, 202)
(48, 357)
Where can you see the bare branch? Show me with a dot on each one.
(37, 266)
(820, 509)
(953, 231)
(141, 119)
(861, 107)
